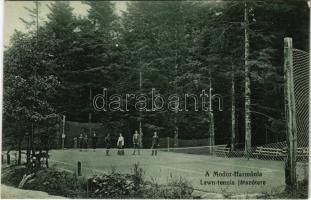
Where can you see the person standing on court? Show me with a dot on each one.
(75, 142)
(108, 143)
(155, 144)
(81, 141)
(135, 141)
(140, 139)
(120, 144)
(85, 140)
(94, 140)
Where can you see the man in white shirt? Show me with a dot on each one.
(120, 144)
(136, 142)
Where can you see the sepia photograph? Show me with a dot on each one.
(181, 99)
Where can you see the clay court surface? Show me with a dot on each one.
(170, 165)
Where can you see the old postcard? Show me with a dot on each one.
(156, 99)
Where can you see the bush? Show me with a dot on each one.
(49, 180)
(116, 185)
(58, 183)
(301, 192)
(175, 189)
(111, 185)
(138, 176)
(13, 175)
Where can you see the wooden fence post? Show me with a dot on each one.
(168, 144)
(290, 116)
(79, 169)
(63, 133)
(8, 159)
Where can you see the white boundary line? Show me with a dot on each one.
(261, 169)
(243, 166)
(65, 163)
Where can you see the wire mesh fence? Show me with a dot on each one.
(271, 151)
(301, 95)
(301, 92)
(278, 151)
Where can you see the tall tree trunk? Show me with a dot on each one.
(248, 138)
(90, 112)
(28, 150)
(232, 108)
(19, 160)
(37, 20)
(211, 127)
(290, 110)
(33, 152)
(35, 67)
(47, 158)
(140, 90)
(176, 91)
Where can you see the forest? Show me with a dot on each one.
(232, 48)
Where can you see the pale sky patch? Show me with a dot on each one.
(14, 10)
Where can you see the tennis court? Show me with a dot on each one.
(174, 165)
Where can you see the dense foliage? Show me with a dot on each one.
(104, 186)
(178, 47)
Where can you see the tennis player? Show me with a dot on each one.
(94, 140)
(135, 141)
(108, 143)
(120, 144)
(85, 141)
(155, 144)
(81, 141)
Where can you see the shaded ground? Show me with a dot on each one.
(8, 192)
(175, 165)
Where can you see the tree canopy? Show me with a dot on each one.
(173, 47)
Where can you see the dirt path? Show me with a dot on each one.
(8, 192)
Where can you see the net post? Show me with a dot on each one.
(8, 159)
(168, 144)
(290, 111)
(63, 134)
(79, 168)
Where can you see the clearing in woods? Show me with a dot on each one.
(263, 175)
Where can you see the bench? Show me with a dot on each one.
(269, 152)
(302, 153)
(40, 156)
(11, 157)
(222, 150)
